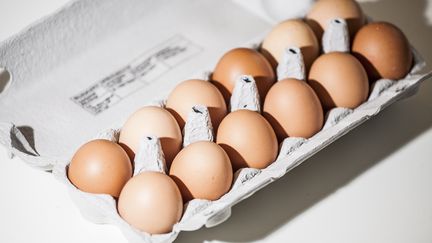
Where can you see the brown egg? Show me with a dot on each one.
(151, 202)
(241, 61)
(339, 80)
(100, 166)
(323, 11)
(293, 109)
(383, 50)
(151, 121)
(248, 139)
(293, 32)
(196, 92)
(202, 170)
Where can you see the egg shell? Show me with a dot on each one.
(196, 92)
(151, 121)
(339, 80)
(383, 50)
(151, 202)
(202, 170)
(293, 109)
(323, 11)
(248, 139)
(100, 166)
(243, 61)
(290, 33)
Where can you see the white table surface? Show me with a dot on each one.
(372, 185)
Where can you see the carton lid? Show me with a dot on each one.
(92, 63)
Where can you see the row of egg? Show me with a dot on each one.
(153, 201)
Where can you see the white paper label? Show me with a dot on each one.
(136, 75)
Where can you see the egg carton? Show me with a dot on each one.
(102, 209)
(198, 212)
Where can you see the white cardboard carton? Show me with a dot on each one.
(85, 68)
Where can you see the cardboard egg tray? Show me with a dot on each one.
(80, 72)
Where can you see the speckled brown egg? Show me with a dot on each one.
(151, 121)
(151, 202)
(323, 11)
(383, 50)
(339, 80)
(293, 109)
(202, 170)
(100, 166)
(248, 139)
(196, 92)
(241, 61)
(290, 33)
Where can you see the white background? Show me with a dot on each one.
(372, 185)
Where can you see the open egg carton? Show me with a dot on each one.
(100, 208)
